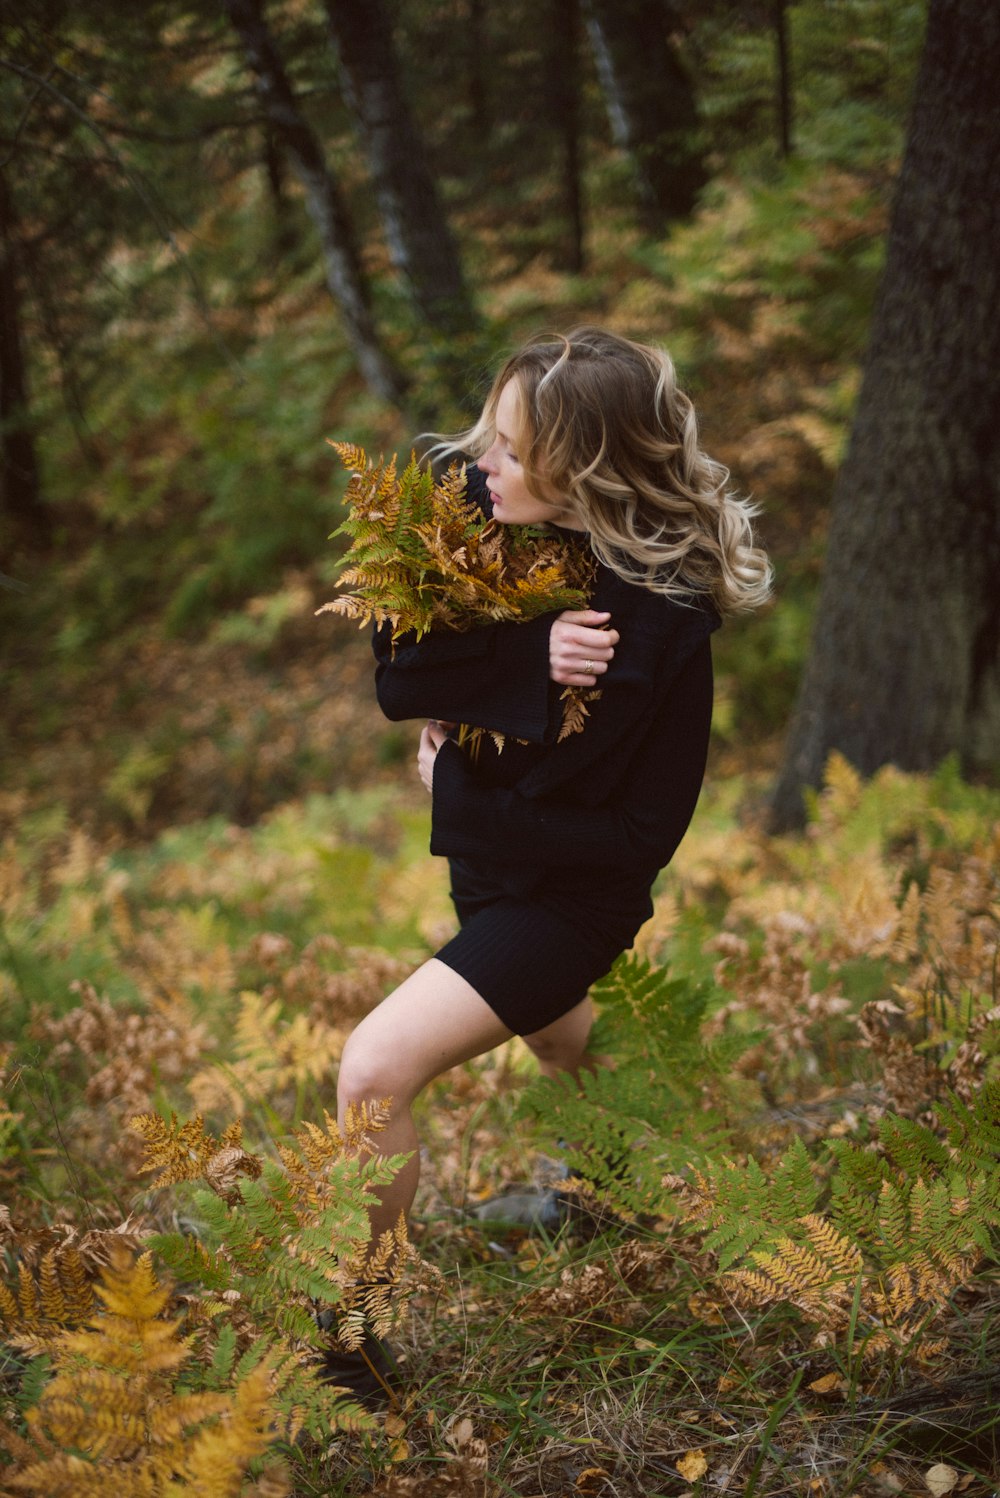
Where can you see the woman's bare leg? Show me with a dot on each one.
(562, 1046)
(434, 1020)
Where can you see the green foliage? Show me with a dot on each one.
(852, 66)
(275, 1243)
(907, 1225)
(753, 1209)
(660, 1103)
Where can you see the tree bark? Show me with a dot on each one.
(783, 81)
(324, 200)
(650, 101)
(904, 662)
(20, 488)
(420, 242)
(477, 50)
(565, 104)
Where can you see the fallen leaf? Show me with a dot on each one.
(941, 1479)
(692, 1465)
(830, 1383)
(591, 1479)
(459, 1433)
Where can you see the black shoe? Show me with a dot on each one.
(370, 1373)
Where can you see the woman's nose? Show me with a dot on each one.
(487, 462)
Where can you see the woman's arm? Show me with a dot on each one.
(498, 676)
(494, 677)
(644, 814)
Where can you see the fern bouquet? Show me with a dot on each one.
(423, 556)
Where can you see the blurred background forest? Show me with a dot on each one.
(183, 359)
(233, 231)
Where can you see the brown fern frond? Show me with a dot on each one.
(841, 1255)
(351, 455)
(183, 1151)
(749, 1287)
(805, 1279)
(225, 1168)
(575, 710)
(422, 553)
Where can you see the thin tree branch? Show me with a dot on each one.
(138, 185)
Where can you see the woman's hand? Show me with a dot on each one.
(431, 739)
(580, 647)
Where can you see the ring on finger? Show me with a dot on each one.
(589, 667)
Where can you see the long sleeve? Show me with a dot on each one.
(641, 819)
(494, 677)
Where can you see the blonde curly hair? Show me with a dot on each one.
(606, 426)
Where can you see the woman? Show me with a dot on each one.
(554, 843)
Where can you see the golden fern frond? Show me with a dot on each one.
(351, 455)
(796, 1271)
(575, 712)
(943, 909)
(113, 1402)
(841, 787)
(837, 1251)
(749, 1287)
(906, 940)
(364, 1119)
(422, 552)
(177, 1150)
(9, 1309)
(217, 1459)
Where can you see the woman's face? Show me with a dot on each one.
(512, 503)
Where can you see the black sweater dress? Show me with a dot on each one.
(553, 847)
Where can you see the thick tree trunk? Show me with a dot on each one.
(323, 198)
(20, 492)
(904, 662)
(650, 101)
(419, 239)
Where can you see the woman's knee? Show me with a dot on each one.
(368, 1072)
(562, 1045)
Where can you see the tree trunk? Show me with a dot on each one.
(784, 77)
(650, 101)
(20, 490)
(476, 52)
(904, 661)
(419, 240)
(564, 95)
(324, 201)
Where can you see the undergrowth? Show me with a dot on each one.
(778, 1274)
